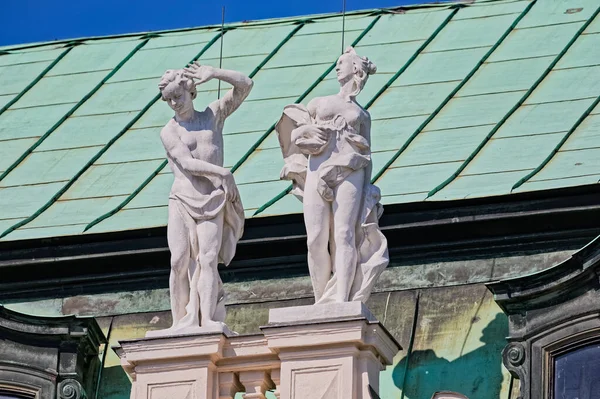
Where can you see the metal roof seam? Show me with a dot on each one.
(299, 99)
(71, 111)
(515, 107)
(99, 154)
(452, 93)
(412, 58)
(36, 80)
(545, 162)
(126, 200)
(286, 191)
(164, 163)
(569, 177)
(43, 105)
(276, 49)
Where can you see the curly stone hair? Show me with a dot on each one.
(363, 67)
(177, 76)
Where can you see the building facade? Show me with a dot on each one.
(485, 146)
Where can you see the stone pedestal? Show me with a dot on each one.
(337, 351)
(320, 357)
(175, 367)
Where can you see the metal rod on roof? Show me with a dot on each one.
(221, 51)
(343, 23)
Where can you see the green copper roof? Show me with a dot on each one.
(470, 100)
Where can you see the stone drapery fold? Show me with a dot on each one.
(353, 153)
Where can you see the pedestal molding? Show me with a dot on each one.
(321, 359)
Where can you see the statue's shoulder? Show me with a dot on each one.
(316, 103)
(169, 129)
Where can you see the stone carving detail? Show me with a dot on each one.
(229, 385)
(327, 151)
(513, 357)
(171, 390)
(256, 384)
(71, 389)
(206, 217)
(329, 379)
(515, 354)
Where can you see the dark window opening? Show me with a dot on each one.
(577, 374)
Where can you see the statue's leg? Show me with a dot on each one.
(210, 235)
(179, 245)
(346, 208)
(317, 216)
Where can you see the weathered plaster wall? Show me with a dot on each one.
(455, 343)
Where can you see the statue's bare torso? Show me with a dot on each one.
(203, 136)
(324, 109)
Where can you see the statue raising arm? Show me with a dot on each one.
(233, 98)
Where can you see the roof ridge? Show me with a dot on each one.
(4, 50)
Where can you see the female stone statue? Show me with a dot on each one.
(326, 147)
(206, 217)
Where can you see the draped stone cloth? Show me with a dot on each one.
(203, 207)
(352, 153)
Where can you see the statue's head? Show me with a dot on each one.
(177, 90)
(352, 67)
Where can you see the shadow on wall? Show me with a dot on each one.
(477, 374)
(116, 384)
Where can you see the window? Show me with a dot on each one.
(577, 374)
(554, 328)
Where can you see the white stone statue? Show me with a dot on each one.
(206, 217)
(326, 147)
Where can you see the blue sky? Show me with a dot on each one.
(27, 21)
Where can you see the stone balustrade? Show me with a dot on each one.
(322, 357)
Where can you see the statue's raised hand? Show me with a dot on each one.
(199, 73)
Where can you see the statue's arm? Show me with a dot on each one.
(311, 129)
(238, 93)
(182, 156)
(233, 98)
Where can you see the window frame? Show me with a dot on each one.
(550, 313)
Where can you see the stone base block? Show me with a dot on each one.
(173, 367)
(302, 353)
(202, 366)
(335, 352)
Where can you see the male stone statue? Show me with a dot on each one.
(327, 152)
(206, 217)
